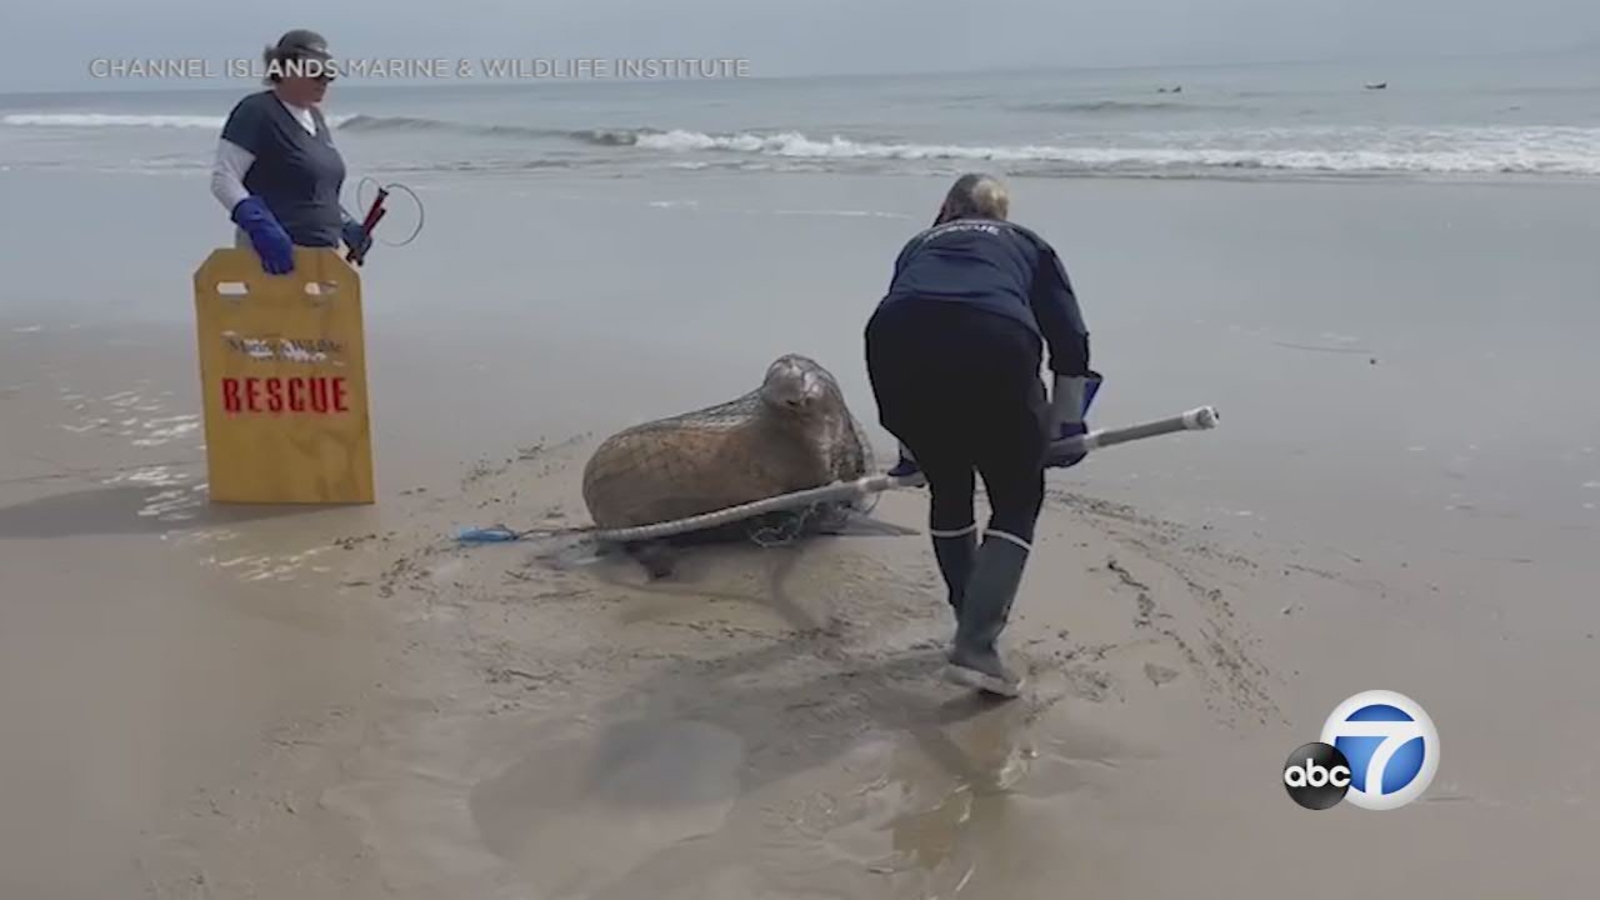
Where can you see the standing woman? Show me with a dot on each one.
(277, 172)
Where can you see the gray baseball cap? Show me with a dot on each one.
(303, 43)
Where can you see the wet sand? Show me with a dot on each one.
(210, 702)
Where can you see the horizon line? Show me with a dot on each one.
(206, 87)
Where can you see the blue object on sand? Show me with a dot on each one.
(493, 534)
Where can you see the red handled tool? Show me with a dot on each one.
(375, 212)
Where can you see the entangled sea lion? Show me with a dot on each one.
(794, 432)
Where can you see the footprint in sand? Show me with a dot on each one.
(584, 810)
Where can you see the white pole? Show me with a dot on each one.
(1200, 419)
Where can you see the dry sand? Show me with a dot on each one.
(212, 703)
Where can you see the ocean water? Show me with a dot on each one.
(1391, 296)
(1513, 116)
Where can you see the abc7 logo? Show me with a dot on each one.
(1379, 749)
(1317, 775)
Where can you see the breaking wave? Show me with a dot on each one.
(109, 120)
(119, 120)
(1287, 151)
(1560, 151)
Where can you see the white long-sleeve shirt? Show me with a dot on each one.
(233, 161)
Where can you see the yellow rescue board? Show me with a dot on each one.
(284, 371)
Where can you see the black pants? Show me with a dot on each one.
(960, 387)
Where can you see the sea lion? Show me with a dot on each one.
(792, 433)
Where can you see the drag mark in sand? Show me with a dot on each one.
(1333, 343)
(1146, 606)
(1219, 632)
(1209, 622)
(1313, 347)
(1144, 618)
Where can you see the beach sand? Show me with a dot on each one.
(216, 702)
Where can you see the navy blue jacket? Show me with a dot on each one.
(297, 175)
(999, 267)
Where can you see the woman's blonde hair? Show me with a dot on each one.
(977, 196)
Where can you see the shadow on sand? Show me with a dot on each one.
(128, 509)
(809, 696)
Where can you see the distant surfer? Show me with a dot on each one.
(277, 172)
(954, 353)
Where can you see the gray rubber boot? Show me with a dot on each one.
(986, 607)
(955, 556)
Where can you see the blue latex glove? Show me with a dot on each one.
(1069, 408)
(906, 464)
(270, 241)
(356, 237)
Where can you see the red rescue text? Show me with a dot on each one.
(272, 395)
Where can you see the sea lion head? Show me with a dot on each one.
(796, 385)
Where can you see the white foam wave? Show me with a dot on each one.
(121, 120)
(1570, 151)
(110, 120)
(1336, 150)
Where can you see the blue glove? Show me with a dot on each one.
(906, 464)
(1069, 407)
(268, 238)
(356, 237)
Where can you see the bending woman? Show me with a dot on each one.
(277, 172)
(954, 352)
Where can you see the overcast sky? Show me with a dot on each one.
(52, 42)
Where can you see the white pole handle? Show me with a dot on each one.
(1198, 419)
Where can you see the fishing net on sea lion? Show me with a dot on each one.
(792, 433)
